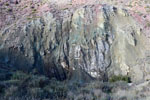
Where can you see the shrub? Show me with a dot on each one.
(148, 24)
(120, 78)
(29, 18)
(58, 90)
(38, 81)
(2, 88)
(7, 4)
(36, 92)
(9, 9)
(18, 75)
(10, 92)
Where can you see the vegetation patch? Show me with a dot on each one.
(9, 10)
(120, 78)
(18, 75)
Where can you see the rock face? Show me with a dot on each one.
(94, 40)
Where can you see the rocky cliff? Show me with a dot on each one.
(79, 43)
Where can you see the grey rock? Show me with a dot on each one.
(99, 40)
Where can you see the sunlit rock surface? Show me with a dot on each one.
(96, 40)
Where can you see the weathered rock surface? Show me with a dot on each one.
(96, 40)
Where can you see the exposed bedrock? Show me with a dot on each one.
(92, 41)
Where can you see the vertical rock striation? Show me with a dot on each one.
(92, 40)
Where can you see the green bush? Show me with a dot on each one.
(7, 4)
(18, 75)
(56, 89)
(9, 10)
(10, 92)
(120, 78)
(38, 81)
(36, 92)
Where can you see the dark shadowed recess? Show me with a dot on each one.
(12, 60)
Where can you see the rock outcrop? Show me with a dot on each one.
(97, 41)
